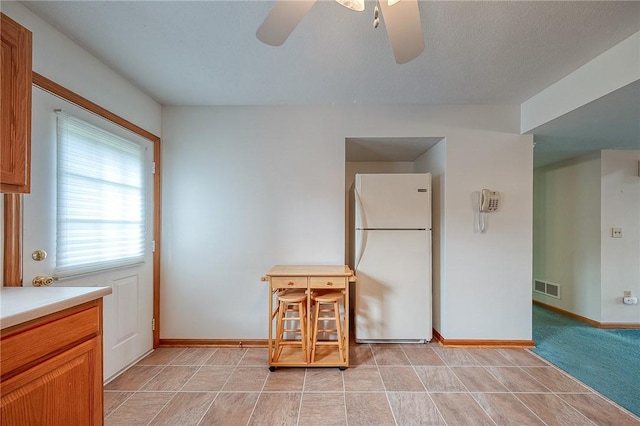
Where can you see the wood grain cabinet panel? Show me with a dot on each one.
(327, 282)
(52, 369)
(32, 344)
(290, 282)
(15, 107)
(59, 391)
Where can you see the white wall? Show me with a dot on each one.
(488, 275)
(567, 234)
(64, 62)
(434, 161)
(249, 187)
(576, 203)
(620, 208)
(60, 59)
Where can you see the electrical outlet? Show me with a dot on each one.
(616, 232)
(627, 293)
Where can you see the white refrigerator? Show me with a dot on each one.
(392, 257)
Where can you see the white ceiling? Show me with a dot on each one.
(612, 122)
(206, 53)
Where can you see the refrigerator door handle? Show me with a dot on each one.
(360, 244)
(360, 219)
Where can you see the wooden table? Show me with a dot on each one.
(309, 277)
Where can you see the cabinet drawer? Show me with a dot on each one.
(289, 282)
(328, 282)
(46, 337)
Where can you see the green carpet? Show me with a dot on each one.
(605, 360)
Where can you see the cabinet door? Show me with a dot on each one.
(64, 390)
(15, 107)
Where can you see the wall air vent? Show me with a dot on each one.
(547, 288)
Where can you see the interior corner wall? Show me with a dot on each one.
(434, 161)
(567, 234)
(620, 208)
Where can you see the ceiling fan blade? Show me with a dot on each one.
(282, 20)
(402, 21)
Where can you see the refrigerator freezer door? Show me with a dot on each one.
(393, 293)
(393, 201)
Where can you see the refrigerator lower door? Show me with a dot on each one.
(393, 291)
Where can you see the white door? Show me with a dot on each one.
(128, 311)
(393, 201)
(393, 293)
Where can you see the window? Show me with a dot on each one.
(100, 200)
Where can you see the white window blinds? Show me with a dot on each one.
(100, 200)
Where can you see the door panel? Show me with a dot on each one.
(393, 293)
(393, 201)
(128, 311)
(57, 391)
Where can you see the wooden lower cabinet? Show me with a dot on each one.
(63, 386)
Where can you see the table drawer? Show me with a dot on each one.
(289, 282)
(328, 282)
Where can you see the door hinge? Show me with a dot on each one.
(153, 167)
(153, 246)
(153, 324)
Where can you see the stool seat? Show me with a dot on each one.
(328, 297)
(292, 301)
(292, 296)
(332, 298)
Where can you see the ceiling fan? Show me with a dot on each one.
(401, 18)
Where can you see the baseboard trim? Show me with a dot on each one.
(218, 343)
(481, 343)
(606, 325)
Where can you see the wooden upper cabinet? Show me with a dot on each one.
(15, 107)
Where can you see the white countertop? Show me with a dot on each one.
(22, 304)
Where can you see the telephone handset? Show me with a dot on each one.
(489, 201)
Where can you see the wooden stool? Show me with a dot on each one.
(332, 298)
(291, 301)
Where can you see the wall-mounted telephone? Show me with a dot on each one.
(489, 201)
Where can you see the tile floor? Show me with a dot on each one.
(385, 385)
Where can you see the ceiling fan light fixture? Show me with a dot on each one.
(357, 5)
